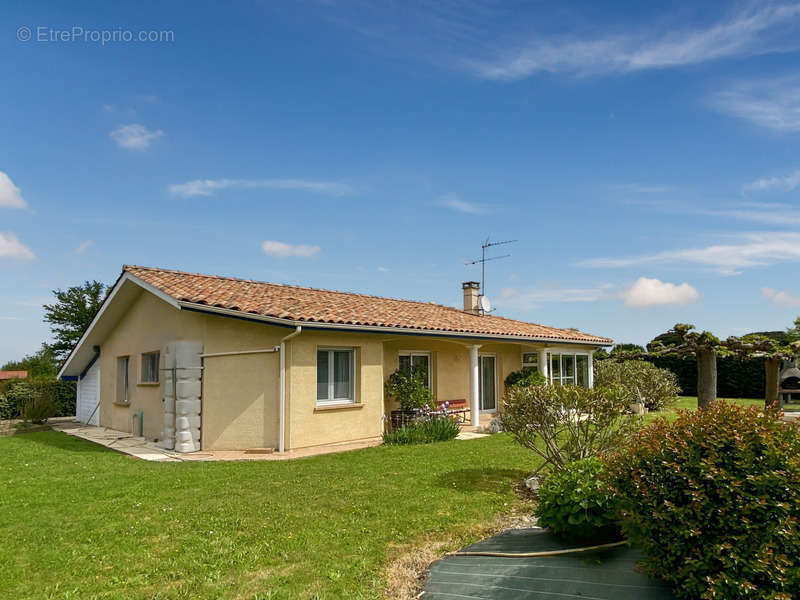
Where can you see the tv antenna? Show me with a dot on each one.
(483, 301)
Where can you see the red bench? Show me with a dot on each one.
(458, 407)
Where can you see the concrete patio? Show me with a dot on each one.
(140, 448)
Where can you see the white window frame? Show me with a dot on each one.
(529, 365)
(549, 352)
(331, 385)
(157, 354)
(411, 354)
(126, 381)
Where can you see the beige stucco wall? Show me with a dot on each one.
(311, 425)
(146, 326)
(240, 393)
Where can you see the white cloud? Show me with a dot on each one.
(11, 247)
(11, 319)
(284, 250)
(768, 214)
(383, 269)
(783, 183)
(753, 250)
(647, 292)
(528, 298)
(135, 137)
(773, 104)
(758, 29)
(10, 195)
(455, 203)
(778, 298)
(84, 246)
(207, 187)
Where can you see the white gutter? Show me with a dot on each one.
(238, 352)
(282, 435)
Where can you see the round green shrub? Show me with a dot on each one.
(524, 377)
(643, 382)
(576, 503)
(713, 499)
(410, 390)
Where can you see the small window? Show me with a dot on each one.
(123, 388)
(530, 360)
(335, 376)
(149, 371)
(416, 362)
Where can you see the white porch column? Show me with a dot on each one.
(544, 368)
(475, 390)
(590, 375)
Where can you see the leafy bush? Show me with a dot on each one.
(409, 389)
(22, 391)
(577, 503)
(432, 429)
(643, 383)
(39, 408)
(714, 501)
(524, 377)
(567, 423)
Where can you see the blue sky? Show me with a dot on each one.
(644, 155)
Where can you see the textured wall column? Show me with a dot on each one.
(166, 365)
(188, 403)
(181, 385)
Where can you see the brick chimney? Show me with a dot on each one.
(471, 291)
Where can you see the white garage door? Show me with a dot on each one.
(86, 408)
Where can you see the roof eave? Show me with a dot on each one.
(387, 329)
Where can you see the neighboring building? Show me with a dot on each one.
(4, 375)
(216, 363)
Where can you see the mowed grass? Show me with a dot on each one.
(690, 403)
(79, 521)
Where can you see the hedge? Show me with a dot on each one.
(63, 394)
(736, 377)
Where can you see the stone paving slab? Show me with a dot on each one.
(139, 447)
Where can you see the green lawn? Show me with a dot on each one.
(78, 521)
(690, 403)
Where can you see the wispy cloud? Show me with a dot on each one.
(10, 194)
(11, 247)
(770, 103)
(84, 246)
(781, 215)
(383, 270)
(785, 183)
(531, 297)
(754, 249)
(284, 250)
(11, 319)
(208, 187)
(778, 298)
(647, 292)
(453, 202)
(756, 29)
(135, 136)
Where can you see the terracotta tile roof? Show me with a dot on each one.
(13, 375)
(312, 305)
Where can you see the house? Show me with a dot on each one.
(6, 375)
(215, 363)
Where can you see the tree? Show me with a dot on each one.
(705, 347)
(667, 339)
(40, 364)
(72, 312)
(774, 353)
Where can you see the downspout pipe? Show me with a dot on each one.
(282, 434)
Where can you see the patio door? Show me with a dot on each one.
(488, 386)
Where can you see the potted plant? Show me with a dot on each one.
(411, 391)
